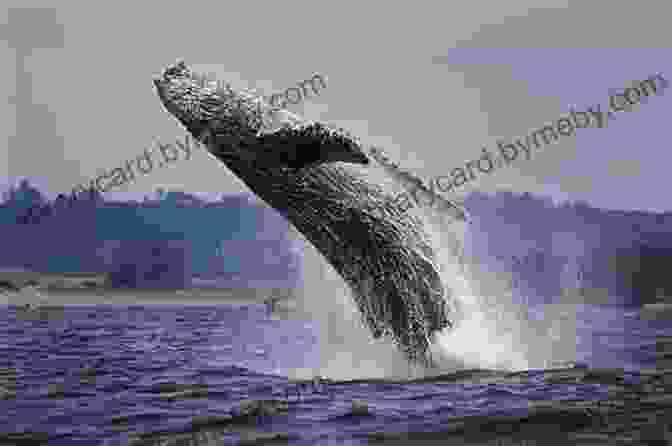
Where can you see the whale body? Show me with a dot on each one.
(316, 177)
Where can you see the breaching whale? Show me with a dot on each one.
(315, 176)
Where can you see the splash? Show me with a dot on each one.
(491, 331)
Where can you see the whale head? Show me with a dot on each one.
(184, 94)
(233, 125)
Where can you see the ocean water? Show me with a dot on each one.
(102, 375)
(169, 373)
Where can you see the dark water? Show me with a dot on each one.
(103, 374)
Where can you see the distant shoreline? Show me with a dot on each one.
(134, 296)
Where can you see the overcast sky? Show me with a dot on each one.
(432, 82)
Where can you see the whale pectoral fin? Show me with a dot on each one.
(308, 144)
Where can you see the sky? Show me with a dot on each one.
(430, 82)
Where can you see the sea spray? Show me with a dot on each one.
(494, 329)
(491, 329)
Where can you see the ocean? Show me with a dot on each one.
(173, 374)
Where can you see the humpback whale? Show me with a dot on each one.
(315, 176)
